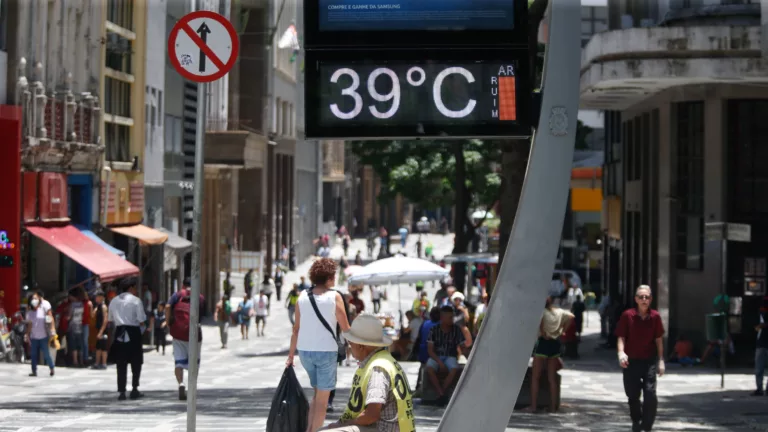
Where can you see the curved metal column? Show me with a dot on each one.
(497, 366)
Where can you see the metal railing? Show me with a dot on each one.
(242, 261)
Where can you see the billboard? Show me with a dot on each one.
(399, 15)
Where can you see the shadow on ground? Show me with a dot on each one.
(727, 411)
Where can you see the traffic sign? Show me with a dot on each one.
(203, 46)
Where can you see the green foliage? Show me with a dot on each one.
(424, 172)
(582, 132)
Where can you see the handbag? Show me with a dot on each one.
(342, 345)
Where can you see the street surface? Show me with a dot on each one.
(236, 387)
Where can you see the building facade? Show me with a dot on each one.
(683, 87)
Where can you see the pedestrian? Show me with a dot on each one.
(161, 326)
(267, 288)
(100, 317)
(85, 354)
(602, 309)
(444, 342)
(223, 316)
(126, 312)
(262, 310)
(547, 354)
(641, 354)
(247, 283)
(303, 285)
(761, 348)
(244, 314)
(320, 310)
(345, 244)
(279, 276)
(380, 399)
(228, 287)
(358, 259)
(376, 295)
(578, 308)
(290, 303)
(39, 326)
(75, 331)
(180, 308)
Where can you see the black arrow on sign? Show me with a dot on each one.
(203, 31)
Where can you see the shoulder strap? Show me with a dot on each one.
(320, 316)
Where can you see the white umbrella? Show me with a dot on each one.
(398, 270)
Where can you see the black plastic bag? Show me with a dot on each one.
(290, 407)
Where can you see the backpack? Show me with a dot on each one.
(180, 324)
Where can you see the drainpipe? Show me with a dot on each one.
(106, 196)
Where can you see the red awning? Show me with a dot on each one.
(84, 251)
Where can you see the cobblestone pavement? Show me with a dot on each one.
(236, 386)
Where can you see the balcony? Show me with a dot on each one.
(333, 161)
(624, 67)
(235, 149)
(60, 132)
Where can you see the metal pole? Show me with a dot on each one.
(497, 365)
(723, 289)
(194, 301)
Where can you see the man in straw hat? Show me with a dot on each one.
(380, 398)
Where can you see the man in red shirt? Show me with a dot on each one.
(641, 355)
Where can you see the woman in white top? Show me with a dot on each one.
(317, 346)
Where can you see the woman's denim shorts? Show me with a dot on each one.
(321, 368)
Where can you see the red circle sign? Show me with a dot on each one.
(206, 52)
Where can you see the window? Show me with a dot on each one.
(117, 97)
(594, 19)
(276, 112)
(285, 117)
(690, 184)
(173, 134)
(119, 53)
(748, 157)
(120, 12)
(284, 58)
(118, 140)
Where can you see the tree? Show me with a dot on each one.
(437, 173)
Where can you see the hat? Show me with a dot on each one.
(98, 293)
(457, 295)
(367, 330)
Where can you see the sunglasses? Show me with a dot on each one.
(643, 297)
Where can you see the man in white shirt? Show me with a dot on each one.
(126, 311)
(262, 310)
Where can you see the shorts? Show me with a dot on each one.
(450, 362)
(260, 318)
(321, 368)
(548, 348)
(74, 341)
(101, 344)
(181, 354)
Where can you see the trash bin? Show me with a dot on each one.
(717, 328)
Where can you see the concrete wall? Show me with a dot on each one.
(154, 166)
(44, 32)
(691, 292)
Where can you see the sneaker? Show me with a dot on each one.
(636, 427)
(330, 408)
(182, 393)
(33, 374)
(135, 394)
(758, 393)
(122, 397)
(52, 373)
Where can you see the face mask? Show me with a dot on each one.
(35, 302)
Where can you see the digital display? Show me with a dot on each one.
(421, 93)
(400, 15)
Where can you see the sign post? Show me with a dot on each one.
(202, 47)
(722, 231)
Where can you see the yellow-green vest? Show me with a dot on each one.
(398, 382)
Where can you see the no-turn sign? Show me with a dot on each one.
(203, 46)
